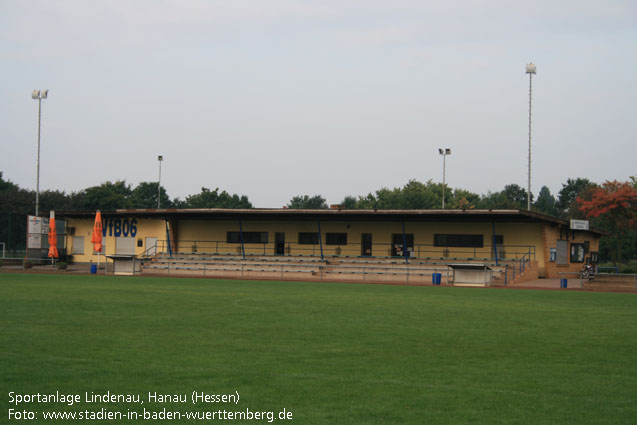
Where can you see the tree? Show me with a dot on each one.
(617, 203)
(56, 200)
(545, 202)
(463, 199)
(349, 203)
(414, 195)
(567, 198)
(14, 199)
(516, 195)
(107, 196)
(15, 205)
(304, 202)
(145, 196)
(213, 199)
(511, 197)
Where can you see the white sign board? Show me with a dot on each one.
(34, 241)
(38, 225)
(579, 224)
(35, 224)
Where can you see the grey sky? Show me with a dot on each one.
(275, 98)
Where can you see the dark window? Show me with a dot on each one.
(397, 244)
(248, 237)
(459, 241)
(308, 238)
(336, 238)
(577, 253)
(397, 239)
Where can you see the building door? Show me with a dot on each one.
(151, 246)
(562, 253)
(397, 249)
(279, 243)
(366, 244)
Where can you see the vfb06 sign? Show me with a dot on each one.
(119, 227)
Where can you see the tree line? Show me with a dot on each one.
(16, 203)
(418, 195)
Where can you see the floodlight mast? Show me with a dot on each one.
(38, 95)
(530, 69)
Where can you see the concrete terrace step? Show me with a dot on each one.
(221, 257)
(416, 271)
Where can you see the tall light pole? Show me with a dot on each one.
(160, 159)
(444, 153)
(530, 69)
(38, 95)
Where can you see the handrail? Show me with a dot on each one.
(381, 250)
(145, 253)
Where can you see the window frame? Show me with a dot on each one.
(573, 256)
(77, 249)
(308, 238)
(234, 236)
(457, 240)
(336, 238)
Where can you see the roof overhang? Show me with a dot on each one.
(485, 216)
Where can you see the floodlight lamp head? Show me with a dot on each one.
(441, 151)
(35, 94)
(160, 158)
(530, 68)
(44, 94)
(447, 151)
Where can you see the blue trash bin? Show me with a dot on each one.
(93, 268)
(436, 278)
(563, 283)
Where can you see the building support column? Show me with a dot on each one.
(405, 253)
(320, 240)
(243, 249)
(168, 239)
(495, 243)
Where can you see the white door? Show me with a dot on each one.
(151, 246)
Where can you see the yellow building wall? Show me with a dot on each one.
(84, 227)
(210, 236)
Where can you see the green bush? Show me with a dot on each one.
(61, 265)
(629, 269)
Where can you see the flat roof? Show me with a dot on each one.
(515, 216)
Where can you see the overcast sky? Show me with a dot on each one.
(276, 98)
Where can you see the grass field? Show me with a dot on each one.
(328, 353)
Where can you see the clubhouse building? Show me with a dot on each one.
(546, 244)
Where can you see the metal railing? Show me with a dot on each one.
(522, 253)
(600, 276)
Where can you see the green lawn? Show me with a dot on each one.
(329, 353)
